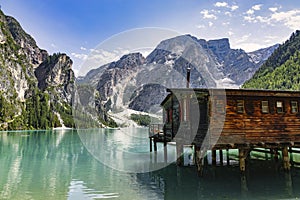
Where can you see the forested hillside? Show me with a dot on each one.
(281, 70)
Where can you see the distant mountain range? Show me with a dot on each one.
(38, 90)
(139, 83)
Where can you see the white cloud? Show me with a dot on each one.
(228, 14)
(250, 19)
(250, 12)
(200, 26)
(221, 4)
(249, 47)
(243, 39)
(210, 24)
(230, 33)
(234, 7)
(83, 48)
(226, 5)
(207, 15)
(80, 56)
(257, 7)
(273, 9)
(291, 19)
(76, 71)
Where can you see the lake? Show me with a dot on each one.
(116, 164)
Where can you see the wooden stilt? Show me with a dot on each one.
(276, 154)
(214, 157)
(227, 157)
(165, 153)
(199, 161)
(291, 156)
(179, 151)
(155, 145)
(242, 159)
(221, 156)
(150, 144)
(244, 186)
(286, 159)
(288, 183)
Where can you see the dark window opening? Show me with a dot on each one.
(294, 106)
(240, 106)
(265, 107)
(279, 106)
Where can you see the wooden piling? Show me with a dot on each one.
(155, 145)
(221, 156)
(150, 144)
(242, 160)
(165, 153)
(286, 159)
(179, 152)
(291, 156)
(214, 157)
(227, 157)
(199, 161)
(276, 155)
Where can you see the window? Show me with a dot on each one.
(294, 106)
(220, 106)
(279, 106)
(240, 106)
(265, 107)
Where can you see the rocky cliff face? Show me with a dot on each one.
(55, 74)
(30, 80)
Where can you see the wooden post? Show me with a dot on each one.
(242, 159)
(221, 156)
(179, 152)
(214, 157)
(155, 145)
(199, 161)
(165, 153)
(244, 186)
(286, 159)
(150, 144)
(288, 183)
(291, 156)
(276, 155)
(227, 157)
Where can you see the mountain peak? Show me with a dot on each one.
(128, 61)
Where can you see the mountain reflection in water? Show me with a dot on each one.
(56, 165)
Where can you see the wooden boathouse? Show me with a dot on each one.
(222, 119)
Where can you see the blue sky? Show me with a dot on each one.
(77, 27)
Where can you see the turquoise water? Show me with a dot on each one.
(67, 165)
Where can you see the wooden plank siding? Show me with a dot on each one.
(251, 127)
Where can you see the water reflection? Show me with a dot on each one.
(56, 165)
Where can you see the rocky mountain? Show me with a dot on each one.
(281, 70)
(35, 89)
(139, 83)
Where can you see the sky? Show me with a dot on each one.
(81, 28)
